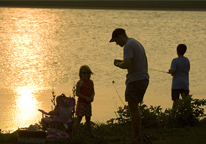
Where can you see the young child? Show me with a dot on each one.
(85, 93)
(179, 69)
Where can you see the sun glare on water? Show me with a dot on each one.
(26, 106)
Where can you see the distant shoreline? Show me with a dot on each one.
(136, 5)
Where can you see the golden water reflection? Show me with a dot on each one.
(27, 105)
(27, 59)
(28, 50)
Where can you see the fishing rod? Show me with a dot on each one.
(159, 71)
(147, 138)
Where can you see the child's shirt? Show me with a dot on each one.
(86, 89)
(181, 66)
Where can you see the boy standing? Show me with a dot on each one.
(179, 69)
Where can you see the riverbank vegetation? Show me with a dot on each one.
(185, 124)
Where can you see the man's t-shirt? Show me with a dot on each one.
(139, 68)
(181, 66)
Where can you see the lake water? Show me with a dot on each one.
(43, 49)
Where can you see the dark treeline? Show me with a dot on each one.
(152, 5)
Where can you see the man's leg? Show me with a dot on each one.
(135, 116)
(134, 95)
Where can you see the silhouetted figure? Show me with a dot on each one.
(85, 93)
(179, 69)
(135, 61)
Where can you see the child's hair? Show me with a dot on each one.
(181, 49)
(86, 68)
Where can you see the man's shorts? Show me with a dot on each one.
(176, 93)
(83, 109)
(135, 91)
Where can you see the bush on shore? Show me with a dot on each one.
(188, 113)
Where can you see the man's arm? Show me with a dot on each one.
(124, 64)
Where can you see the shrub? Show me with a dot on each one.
(187, 113)
(123, 116)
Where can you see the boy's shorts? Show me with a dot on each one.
(83, 109)
(176, 93)
(135, 91)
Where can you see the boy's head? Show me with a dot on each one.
(181, 49)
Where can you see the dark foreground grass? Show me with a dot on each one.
(120, 134)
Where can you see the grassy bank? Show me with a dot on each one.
(185, 124)
(152, 5)
(119, 134)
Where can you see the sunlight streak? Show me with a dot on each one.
(26, 105)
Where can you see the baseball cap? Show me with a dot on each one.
(116, 32)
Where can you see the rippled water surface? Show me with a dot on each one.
(42, 50)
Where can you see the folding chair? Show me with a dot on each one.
(61, 118)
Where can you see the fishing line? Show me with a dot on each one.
(147, 139)
(159, 70)
(116, 88)
(117, 92)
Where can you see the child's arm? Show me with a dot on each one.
(92, 97)
(172, 72)
(80, 95)
(173, 67)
